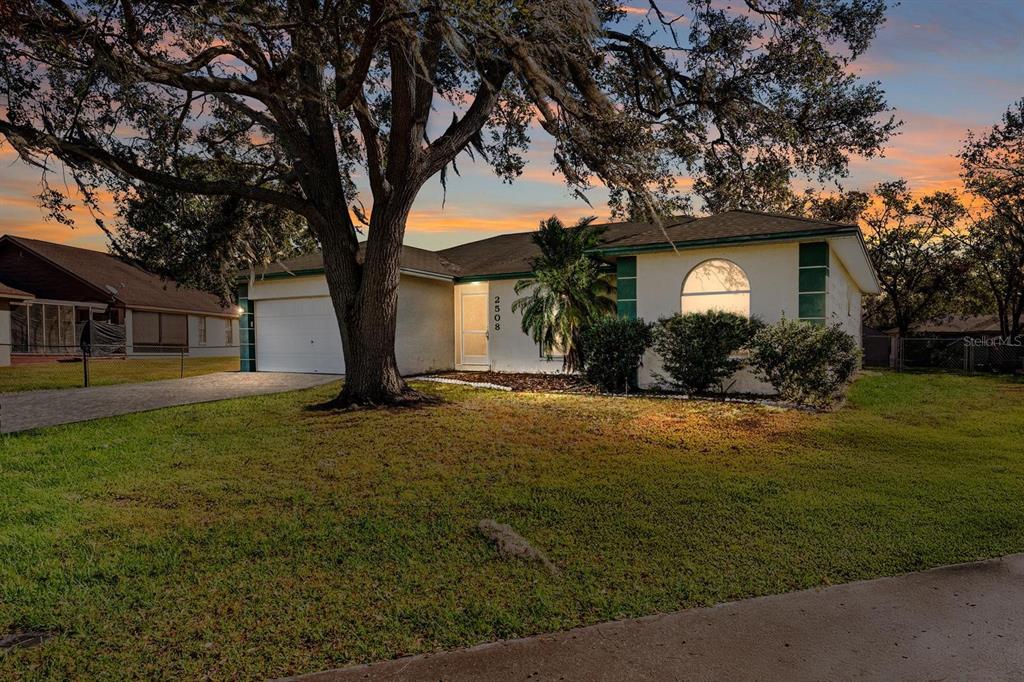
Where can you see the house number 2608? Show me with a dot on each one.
(497, 313)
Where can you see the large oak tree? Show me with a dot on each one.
(992, 168)
(919, 262)
(287, 103)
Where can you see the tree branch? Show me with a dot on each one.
(460, 132)
(26, 139)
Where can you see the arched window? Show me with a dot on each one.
(716, 285)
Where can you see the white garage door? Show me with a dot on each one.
(298, 335)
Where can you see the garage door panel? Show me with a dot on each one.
(298, 335)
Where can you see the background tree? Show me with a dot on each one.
(836, 207)
(568, 291)
(992, 168)
(996, 252)
(919, 264)
(203, 241)
(286, 103)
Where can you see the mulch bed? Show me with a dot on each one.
(539, 383)
(567, 383)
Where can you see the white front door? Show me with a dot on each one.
(298, 335)
(473, 338)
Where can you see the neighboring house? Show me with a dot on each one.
(49, 291)
(455, 305)
(955, 326)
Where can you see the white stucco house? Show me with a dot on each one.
(455, 305)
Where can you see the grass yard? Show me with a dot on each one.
(252, 538)
(106, 371)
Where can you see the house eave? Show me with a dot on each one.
(313, 272)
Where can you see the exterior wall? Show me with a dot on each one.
(772, 270)
(214, 337)
(511, 350)
(5, 333)
(129, 343)
(215, 345)
(424, 339)
(844, 299)
(774, 274)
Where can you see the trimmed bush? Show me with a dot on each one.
(807, 364)
(613, 348)
(698, 349)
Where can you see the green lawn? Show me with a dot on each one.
(106, 371)
(253, 538)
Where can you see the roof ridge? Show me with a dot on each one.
(20, 238)
(784, 215)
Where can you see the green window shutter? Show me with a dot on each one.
(246, 332)
(625, 266)
(812, 306)
(813, 281)
(625, 285)
(627, 289)
(813, 254)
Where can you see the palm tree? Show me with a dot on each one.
(568, 290)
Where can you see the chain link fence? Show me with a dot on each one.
(963, 354)
(50, 367)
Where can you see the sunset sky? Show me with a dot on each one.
(946, 65)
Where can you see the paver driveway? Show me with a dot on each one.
(32, 409)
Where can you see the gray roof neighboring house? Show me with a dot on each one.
(956, 325)
(119, 280)
(509, 255)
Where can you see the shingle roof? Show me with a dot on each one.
(731, 226)
(11, 292)
(135, 287)
(958, 324)
(511, 254)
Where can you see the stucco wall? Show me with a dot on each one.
(424, 339)
(215, 338)
(5, 333)
(511, 350)
(843, 299)
(216, 341)
(772, 270)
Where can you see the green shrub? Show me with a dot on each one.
(612, 350)
(698, 349)
(805, 363)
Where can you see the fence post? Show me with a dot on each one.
(85, 367)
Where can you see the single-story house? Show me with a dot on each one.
(455, 305)
(48, 292)
(951, 326)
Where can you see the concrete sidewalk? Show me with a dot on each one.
(33, 409)
(957, 622)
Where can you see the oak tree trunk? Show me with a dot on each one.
(364, 292)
